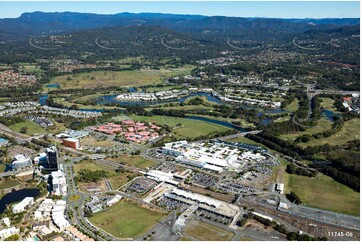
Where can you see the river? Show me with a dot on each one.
(106, 99)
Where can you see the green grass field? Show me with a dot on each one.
(135, 160)
(8, 182)
(322, 125)
(2, 167)
(350, 131)
(324, 193)
(126, 220)
(94, 79)
(189, 129)
(74, 198)
(293, 106)
(205, 231)
(328, 103)
(117, 179)
(33, 128)
(282, 119)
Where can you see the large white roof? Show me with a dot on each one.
(196, 197)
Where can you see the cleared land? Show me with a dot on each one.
(117, 179)
(126, 220)
(204, 231)
(95, 79)
(8, 182)
(334, 196)
(91, 141)
(33, 128)
(188, 129)
(135, 160)
(350, 131)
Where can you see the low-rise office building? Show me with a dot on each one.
(21, 161)
(20, 207)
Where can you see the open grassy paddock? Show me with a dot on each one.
(189, 129)
(293, 106)
(204, 231)
(91, 141)
(350, 131)
(328, 103)
(323, 124)
(8, 182)
(95, 79)
(117, 179)
(126, 220)
(134, 160)
(33, 128)
(323, 192)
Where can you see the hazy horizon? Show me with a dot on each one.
(258, 9)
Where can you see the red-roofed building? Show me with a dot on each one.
(347, 99)
(128, 122)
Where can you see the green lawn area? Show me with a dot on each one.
(322, 125)
(328, 103)
(126, 220)
(324, 193)
(30, 68)
(92, 166)
(350, 131)
(282, 119)
(68, 104)
(205, 231)
(33, 128)
(8, 182)
(2, 168)
(74, 198)
(135, 160)
(189, 129)
(293, 106)
(94, 79)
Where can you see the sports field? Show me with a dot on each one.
(126, 220)
(188, 128)
(324, 193)
(205, 231)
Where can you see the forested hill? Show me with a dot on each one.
(38, 23)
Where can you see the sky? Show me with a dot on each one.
(271, 9)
